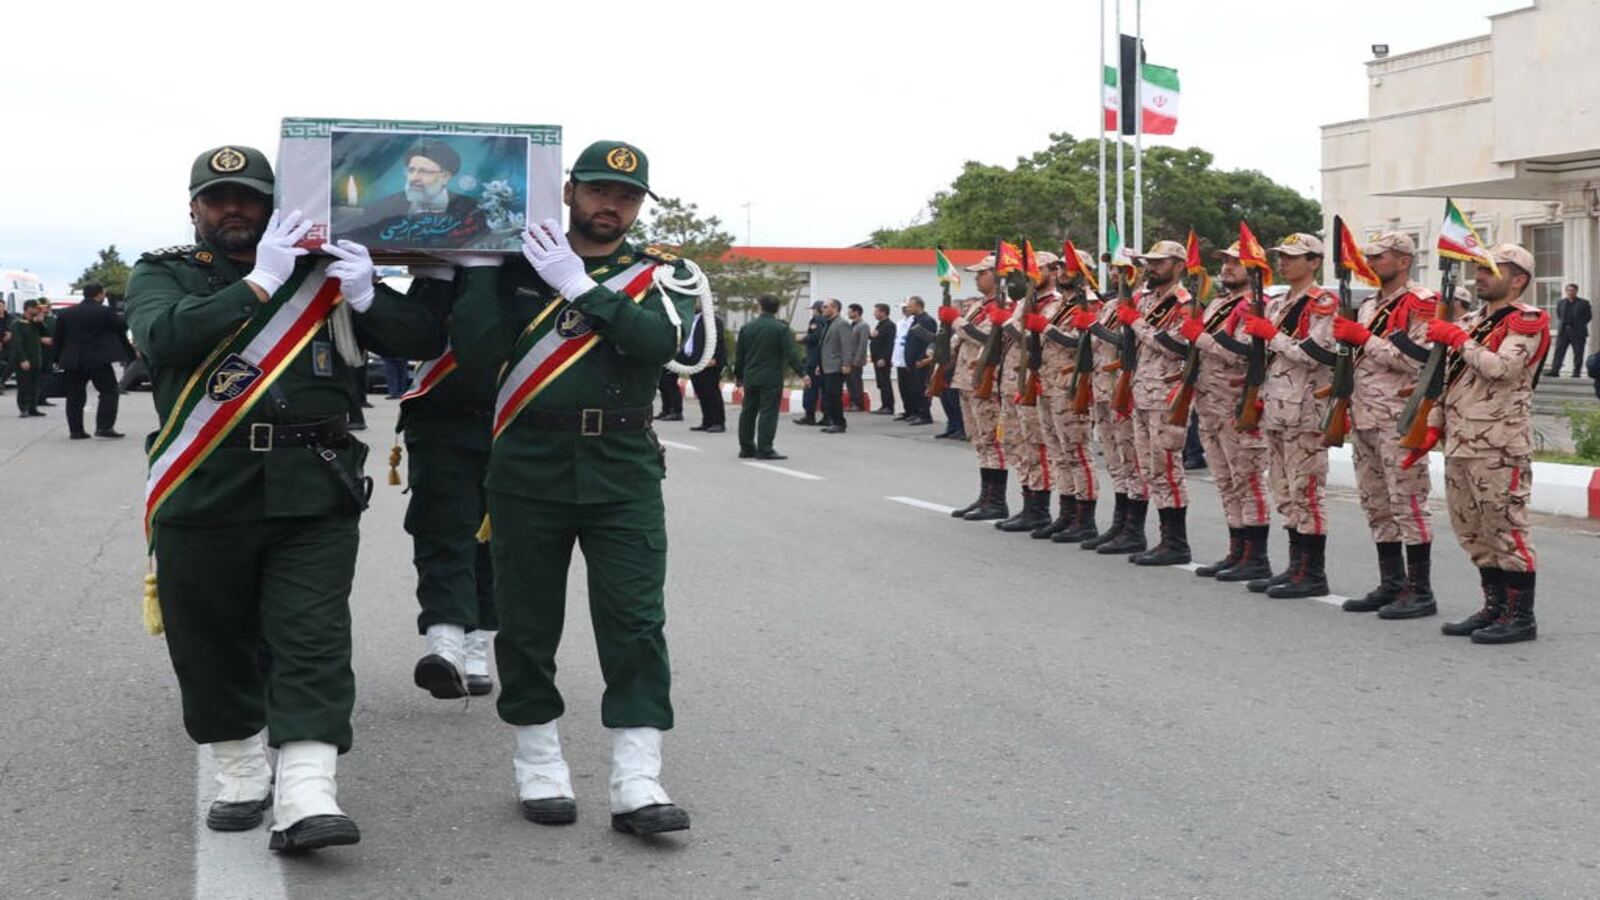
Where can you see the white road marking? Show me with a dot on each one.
(1330, 599)
(230, 865)
(923, 504)
(677, 446)
(792, 473)
(1188, 566)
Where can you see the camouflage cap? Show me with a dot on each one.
(1397, 241)
(1300, 244)
(982, 265)
(1232, 251)
(1164, 250)
(232, 164)
(1515, 254)
(1086, 262)
(613, 161)
(1046, 258)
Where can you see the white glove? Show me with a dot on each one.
(276, 251)
(546, 247)
(352, 265)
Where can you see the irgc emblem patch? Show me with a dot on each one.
(622, 159)
(231, 379)
(573, 324)
(227, 161)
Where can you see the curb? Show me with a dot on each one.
(1558, 488)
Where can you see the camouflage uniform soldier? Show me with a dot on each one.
(1066, 430)
(1495, 356)
(1158, 312)
(1388, 336)
(1238, 459)
(1126, 534)
(982, 416)
(1299, 328)
(1021, 432)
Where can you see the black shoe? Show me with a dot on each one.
(1391, 581)
(888, 412)
(747, 454)
(959, 436)
(1516, 619)
(79, 436)
(714, 429)
(806, 420)
(551, 811)
(1173, 550)
(1409, 606)
(943, 435)
(36, 414)
(920, 420)
(1493, 583)
(438, 677)
(697, 427)
(984, 478)
(1119, 516)
(1253, 563)
(241, 816)
(992, 504)
(1131, 539)
(1235, 553)
(1192, 464)
(1035, 513)
(670, 417)
(833, 429)
(48, 403)
(1260, 585)
(1083, 527)
(771, 454)
(108, 434)
(315, 832)
(1310, 578)
(479, 685)
(1063, 522)
(657, 819)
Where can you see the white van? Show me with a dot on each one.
(17, 287)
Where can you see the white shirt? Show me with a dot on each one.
(901, 329)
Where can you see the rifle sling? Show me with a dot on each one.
(1171, 343)
(1406, 345)
(1318, 352)
(1060, 339)
(1105, 334)
(974, 332)
(1230, 343)
(924, 333)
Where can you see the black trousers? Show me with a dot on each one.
(914, 387)
(833, 398)
(671, 394)
(708, 390)
(951, 401)
(28, 391)
(853, 384)
(1562, 343)
(809, 396)
(884, 375)
(105, 386)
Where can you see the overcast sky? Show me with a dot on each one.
(829, 118)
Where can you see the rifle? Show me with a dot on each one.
(1179, 414)
(939, 381)
(1128, 355)
(1032, 355)
(989, 361)
(1083, 370)
(1413, 426)
(1336, 421)
(1248, 415)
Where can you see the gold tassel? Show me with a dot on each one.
(484, 531)
(152, 606)
(394, 463)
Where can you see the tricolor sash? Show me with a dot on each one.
(431, 373)
(227, 385)
(550, 345)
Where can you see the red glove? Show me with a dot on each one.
(1083, 320)
(1447, 333)
(1192, 327)
(1258, 327)
(1035, 322)
(949, 314)
(998, 316)
(1428, 443)
(1349, 332)
(1126, 314)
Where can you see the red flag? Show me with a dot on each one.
(1251, 254)
(1074, 265)
(1030, 263)
(1347, 254)
(1194, 265)
(1007, 259)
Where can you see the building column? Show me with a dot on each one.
(1581, 252)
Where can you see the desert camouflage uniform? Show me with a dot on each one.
(1394, 499)
(1066, 432)
(1237, 459)
(1021, 433)
(1115, 432)
(1292, 417)
(981, 416)
(1162, 352)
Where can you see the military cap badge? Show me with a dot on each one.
(227, 161)
(622, 159)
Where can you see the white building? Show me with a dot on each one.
(863, 275)
(1505, 124)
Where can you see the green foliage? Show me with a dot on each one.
(109, 271)
(1051, 195)
(737, 281)
(1585, 425)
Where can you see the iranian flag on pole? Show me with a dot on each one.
(943, 270)
(1158, 96)
(1459, 240)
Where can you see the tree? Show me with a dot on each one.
(110, 271)
(1051, 195)
(736, 281)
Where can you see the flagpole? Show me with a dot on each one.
(1138, 126)
(1122, 219)
(1100, 83)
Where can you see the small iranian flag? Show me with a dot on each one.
(946, 273)
(1118, 253)
(1158, 95)
(1459, 240)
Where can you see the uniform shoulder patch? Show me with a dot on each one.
(659, 254)
(1322, 303)
(1421, 293)
(168, 253)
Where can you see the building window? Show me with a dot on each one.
(1549, 267)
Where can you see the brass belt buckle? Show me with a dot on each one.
(592, 422)
(260, 437)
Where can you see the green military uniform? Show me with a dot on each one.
(25, 347)
(447, 434)
(766, 347)
(257, 549)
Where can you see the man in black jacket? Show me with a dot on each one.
(708, 381)
(89, 338)
(920, 332)
(881, 347)
(812, 341)
(1572, 330)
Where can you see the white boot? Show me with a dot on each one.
(441, 672)
(636, 769)
(305, 783)
(477, 662)
(544, 784)
(243, 774)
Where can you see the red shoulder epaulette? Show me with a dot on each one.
(1321, 303)
(1528, 320)
(1422, 305)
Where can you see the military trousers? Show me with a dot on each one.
(455, 574)
(1122, 458)
(982, 418)
(1159, 445)
(1298, 465)
(624, 548)
(1067, 442)
(28, 390)
(258, 626)
(1394, 499)
(1022, 442)
(1488, 501)
(1238, 463)
(758, 418)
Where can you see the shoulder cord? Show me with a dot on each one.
(344, 335)
(697, 284)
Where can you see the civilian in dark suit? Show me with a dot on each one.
(919, 339)
(89, 338)
(812, 341)
(671, 397)
(1572, 329)
(708, 381)
(881, 347)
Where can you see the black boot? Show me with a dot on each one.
(1253, 562)
(1132, 539)
(1494, 603)
(1035, 513)
(1119, 517)
(1235, 553)
(1516, 620)
(1296, 547)
(983, 492)
(1391, 580)
(1312, 577)
(993, 504)
(1069, 515)
(1083, 527)
(1416, 600)
(1174, 547)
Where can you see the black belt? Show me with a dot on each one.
(264, 436)
(589, 422)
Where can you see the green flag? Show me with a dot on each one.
(945, 272)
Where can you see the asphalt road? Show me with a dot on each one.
(873, 700)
